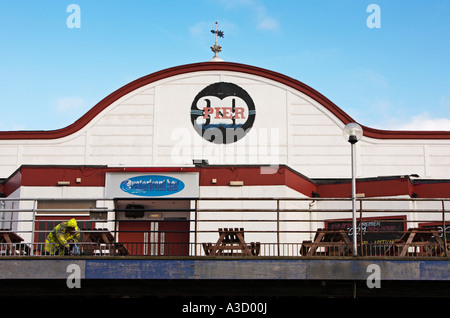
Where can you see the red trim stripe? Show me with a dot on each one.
(219, 66)
(94, 176)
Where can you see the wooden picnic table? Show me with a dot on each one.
(336, 242)
(418, 238)
(95, 238)
(231, 243)
(12, 243)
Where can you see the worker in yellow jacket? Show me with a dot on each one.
(58, 240)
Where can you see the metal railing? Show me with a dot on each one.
(282, 227)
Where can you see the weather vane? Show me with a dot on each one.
(216, 48)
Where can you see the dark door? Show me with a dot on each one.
(164, 238)
(174, 238)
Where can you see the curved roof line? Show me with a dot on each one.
(218, 66)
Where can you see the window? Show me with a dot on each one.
(52, 212)
(60, 205)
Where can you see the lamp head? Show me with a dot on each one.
(353, 132)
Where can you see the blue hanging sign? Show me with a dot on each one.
(152, 185)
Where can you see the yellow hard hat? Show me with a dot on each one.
(72, 223)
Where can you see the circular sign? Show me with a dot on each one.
(223, 113)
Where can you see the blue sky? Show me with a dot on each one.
(396, 76)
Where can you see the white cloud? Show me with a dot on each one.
(199, 28)
(370, 78)
(422, 122)
(263, 20)
(12, 127)
(66, 104)
(232, 4)
(268, 23)
(376, 78)
(444, 102)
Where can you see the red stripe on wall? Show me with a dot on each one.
(94, 176)
(370, 188)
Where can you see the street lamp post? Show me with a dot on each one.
(353, 133)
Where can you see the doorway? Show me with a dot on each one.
(154, 227)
